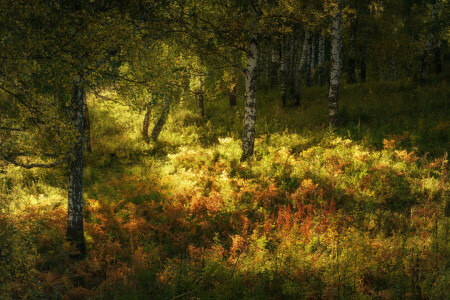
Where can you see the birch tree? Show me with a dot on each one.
(335, 64)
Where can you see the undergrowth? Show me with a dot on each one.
(362, 212)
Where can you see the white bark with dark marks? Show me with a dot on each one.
(248, 140)
(335, 65)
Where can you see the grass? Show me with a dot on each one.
(361, 212)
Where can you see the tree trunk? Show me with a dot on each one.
(394, 70)
(87, 126)
(321, 61)
(233, 96)
(75, 230)
(283, 71)
(363, 66)
(274, 66)
(335, 66)
(146, 123)
(201, 105)
(430, 40)
(308, 62)
(248, 141)
(437, 58)
(313, 57)
(300, 69)
(160, 123)
(352, 54)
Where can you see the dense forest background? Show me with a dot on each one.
(224, 149)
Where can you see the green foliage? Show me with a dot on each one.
(360, 212)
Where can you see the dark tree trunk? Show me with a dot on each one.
(352, 54)
(363, 75)
(160, 123)
(233, 96)
(146, 123)
(201, 105)
(75, 230)
(87, 126)
(437, 58)
(283, 71)
(300, 69)
(308, 61)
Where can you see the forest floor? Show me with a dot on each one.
(362, 212)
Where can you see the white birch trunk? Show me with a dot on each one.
(248, 140)
(335, 65)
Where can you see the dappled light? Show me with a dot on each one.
(224, 149)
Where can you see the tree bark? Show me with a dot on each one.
(300, 69)
(437, 58)
(283, 71)
(394, 70)
(201, 105)
(308, 62)
(233, 94)
(146, 123)
(75, 230)
(430, 40)
(321, 61)
(87, 126)
(160, 123)
(313, 57)
(352, 54)
(248, 141)
(363, 66)
(274, 66)
(335, 66)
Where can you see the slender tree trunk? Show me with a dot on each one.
(201, 105)
(248, 141)
(301, 68)
(430, 40)
(308, 62)
(160, 123)
(87, 126)
(321, 61)
(292, 62)
(437, 58)
(75, 230)
(352, 54)
(381, 71)
(313, 57)
(274, 66)
(394, 70)
(363, 74)
(283, 71)
(335, 66)
(233, 96)
(146, 123)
